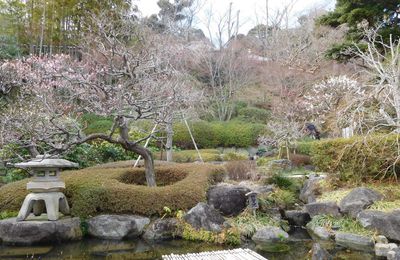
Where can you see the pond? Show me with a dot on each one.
(297, 248)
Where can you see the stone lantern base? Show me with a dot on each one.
(51, 202)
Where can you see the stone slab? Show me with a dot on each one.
(33, 232)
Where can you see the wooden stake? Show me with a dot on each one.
(145, 145)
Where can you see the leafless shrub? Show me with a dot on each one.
(242, 170)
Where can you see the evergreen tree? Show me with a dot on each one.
(353, 13)
(52, 22)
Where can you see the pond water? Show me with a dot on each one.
(297, 248)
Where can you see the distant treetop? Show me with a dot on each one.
(353, 13)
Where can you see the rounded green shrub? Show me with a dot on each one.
(254, 114)
(234, 133)
(97, 190)
(358, 158)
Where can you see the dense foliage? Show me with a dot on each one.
(353, 13)
(357, 158)
(218, 134)
(87, 155)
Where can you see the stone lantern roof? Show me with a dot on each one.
(47, 161)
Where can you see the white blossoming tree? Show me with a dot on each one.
(328, 101)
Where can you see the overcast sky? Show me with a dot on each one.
(251, 11)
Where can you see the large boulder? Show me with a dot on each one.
(270, 235)
(205, 217)
(310, 189)
(229, 200)
(297, 217)
(35, 232)
(323, 208)
(356, 242)
(387, 224)
(116, 226)
(319, 253)
(161, 229)
(357, 200)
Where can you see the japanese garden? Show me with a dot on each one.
(199, 129)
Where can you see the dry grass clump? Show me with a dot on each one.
(242, 170)
(93, 191)
(299, 159)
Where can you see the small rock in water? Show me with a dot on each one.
(161, 229)
(319, 253)
(270, 235)
(353, 241)
(35, 232)
(319, 232)
(116, 226)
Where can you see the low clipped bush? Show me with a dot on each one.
(208, 155)
(254, 114)
(93, 191)
(305, 147)
(358, 158)
(234, 133)
(232, 156)
(186, 156)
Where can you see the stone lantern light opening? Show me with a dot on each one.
(46, 187)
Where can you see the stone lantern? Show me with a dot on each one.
(45, 188)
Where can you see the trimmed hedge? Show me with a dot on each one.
(96, 123)
(185, 156)
(358, 158)
(217, 134)
(98, 190)
(208, 155)
(254, 114)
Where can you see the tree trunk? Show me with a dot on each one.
(168, 145)
(142, 151)
(32, 148)
(148, 163)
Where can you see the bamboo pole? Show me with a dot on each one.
(145, 145)
(191, 136)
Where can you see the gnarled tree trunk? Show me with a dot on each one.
(168, 144)
(148, 162)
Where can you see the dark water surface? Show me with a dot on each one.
(297, 248)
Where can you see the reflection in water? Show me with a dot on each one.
(297, 247)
